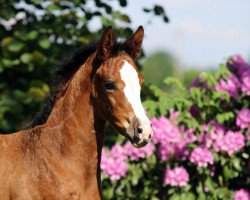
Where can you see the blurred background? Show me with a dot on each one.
(182, 39)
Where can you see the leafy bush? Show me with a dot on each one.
(201, 143)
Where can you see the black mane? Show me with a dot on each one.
(63, 72)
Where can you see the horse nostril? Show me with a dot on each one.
(139, 130)
(145, 141)
(136, 138)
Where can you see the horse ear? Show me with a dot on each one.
(106, 43)
(134, 43)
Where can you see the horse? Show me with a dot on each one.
(57, 157)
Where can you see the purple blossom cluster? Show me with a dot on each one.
(177, 176)
(243, 118)
(231, 85)
(137, 153)
(239, 80)
(165, 131)
(230, 142)
(114, 162)
(171, 139)
(201, 156)
(241, 69)
(216, 136)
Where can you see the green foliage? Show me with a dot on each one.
(33, 35)
(158, 66)
(189, 76)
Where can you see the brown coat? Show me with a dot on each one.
(58, 156)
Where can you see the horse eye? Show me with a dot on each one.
(109, 85)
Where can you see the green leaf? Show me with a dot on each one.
(121, 17)
(7, 63)
(228, 172)
(175, 197)
(175, 81)
(123, 3)
(15, 46)
(32, 35)
(44, 43)
(158, 10)
(125, 18)
(36, 1)
(26, 58)
(6, 41)
(237, 164)
(108, 8)
(209, 183)
(146, 10)
(38, 56)
(166, 19)
(151, 107)
(53, 7)
(189, 196)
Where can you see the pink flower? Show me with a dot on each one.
(201, 156)
(173, 115)
(172, 140)
(212, 172)
(237, 65)
(219, 141)
(178, 151)
(242, 194)
(245, 81)
(188, 135)
(198, 82)
(231, 85)
(243, 118)
(176, 177)
(233, 141)
(114, 163)
(242, 70)
(165, 131)
(206, 189)
(210, 133)
(166, 151)
(229, 142)
(138, 153)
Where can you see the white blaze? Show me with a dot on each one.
(132, 90)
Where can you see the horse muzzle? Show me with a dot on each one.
(140, 132)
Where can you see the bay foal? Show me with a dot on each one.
(58, 155)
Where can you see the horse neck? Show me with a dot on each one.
(74, 115)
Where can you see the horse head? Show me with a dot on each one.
(117, 86)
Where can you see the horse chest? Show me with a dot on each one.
(51, 181)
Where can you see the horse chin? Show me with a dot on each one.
(138, 144)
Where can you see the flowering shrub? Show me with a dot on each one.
(201, 143)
